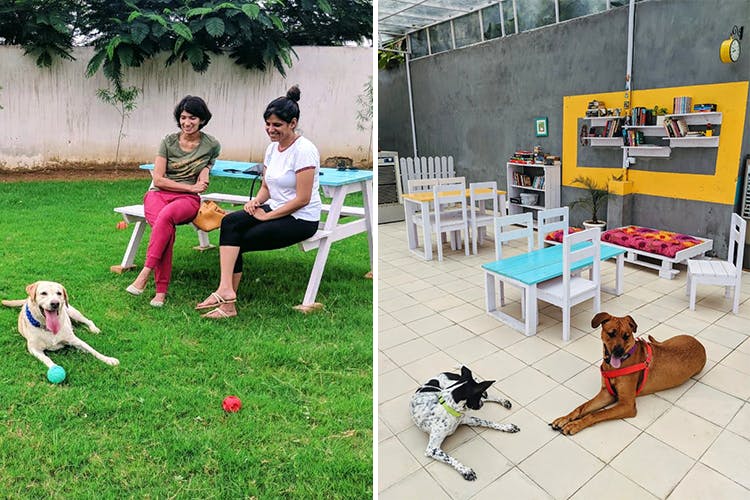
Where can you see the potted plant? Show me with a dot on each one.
(659, 113)
(593, 201)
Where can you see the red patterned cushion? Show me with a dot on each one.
(558, 235)
(649, 240)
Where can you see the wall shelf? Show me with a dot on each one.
(606, 141)
(693, 142)
(713, 117)
(650, 151)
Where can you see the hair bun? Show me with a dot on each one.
(293, 93)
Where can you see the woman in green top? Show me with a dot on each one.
(180, 174)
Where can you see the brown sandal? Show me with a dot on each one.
(222, 314)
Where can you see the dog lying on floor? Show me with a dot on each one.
(633, 367)
(45, 322)
(437, 409)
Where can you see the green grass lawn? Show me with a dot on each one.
(153, 426)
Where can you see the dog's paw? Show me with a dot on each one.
(94, 329)
(469, 475)
(572, 428)
(112, 361)
(558, 423)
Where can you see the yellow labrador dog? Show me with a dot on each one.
(45, 322)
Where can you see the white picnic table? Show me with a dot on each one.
(336, 184)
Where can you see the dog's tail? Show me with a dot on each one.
(14, 303)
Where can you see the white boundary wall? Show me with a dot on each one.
(52, 116)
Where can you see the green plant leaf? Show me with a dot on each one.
(276, 21)
(215, 27)
(251, 10)
(95, 62)
(133, 16)
(112, 45)
(157, 18)
(199, 11)
(325, 6)
(125, 53)
(182, 30)
(138, 32)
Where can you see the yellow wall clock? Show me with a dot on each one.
(729, 52)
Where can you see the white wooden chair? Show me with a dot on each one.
(569, 289)
(480, 215)
(454, 219)
(726, 273)
(505, 231)
(551, 220)
(433, 167)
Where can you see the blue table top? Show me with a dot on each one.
(328, 176)
(543, 264)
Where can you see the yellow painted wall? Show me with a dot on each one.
(731, 101)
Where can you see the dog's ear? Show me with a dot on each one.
(465, 373)
(599, 319)
(65, 296)
(633, 324)
(483, 386)
(31, 289)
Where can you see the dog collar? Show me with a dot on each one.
(627, 354)
(644, 366)
(32, 319)
(449, 408)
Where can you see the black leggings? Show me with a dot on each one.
(240, 229)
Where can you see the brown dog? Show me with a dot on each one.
(654, 366)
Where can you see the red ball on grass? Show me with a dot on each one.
(231, 404)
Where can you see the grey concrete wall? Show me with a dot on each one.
(478, 103)
(394, 126)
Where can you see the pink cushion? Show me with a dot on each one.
(558, 235)
(649, 240)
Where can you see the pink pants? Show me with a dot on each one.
(164, 210)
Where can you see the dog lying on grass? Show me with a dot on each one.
(633, 367)
(45, 322)
(437, 408)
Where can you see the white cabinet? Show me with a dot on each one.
(538, 181)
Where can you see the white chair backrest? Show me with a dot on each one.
(574, 253)
(505, 231)
(433, 167)
(419, 185)
(551, 220)
(737, 241)
(449, 194)
(452, 180)
(491, 195)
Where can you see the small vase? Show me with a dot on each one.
(587, 224)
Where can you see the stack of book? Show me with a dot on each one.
(682, 105)
(634, 137)
(676, 127)
(704, 108)
(522, 157)
(641, 116)
(522, 180)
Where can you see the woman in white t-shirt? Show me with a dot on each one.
(285, 211)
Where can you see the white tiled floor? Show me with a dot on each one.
(690, 442)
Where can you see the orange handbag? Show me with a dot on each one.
(209, 216)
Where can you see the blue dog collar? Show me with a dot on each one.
(31, 318)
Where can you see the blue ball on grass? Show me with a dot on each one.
(56, 374)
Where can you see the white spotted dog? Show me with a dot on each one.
(437, 409)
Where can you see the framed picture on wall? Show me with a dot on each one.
(541, 126)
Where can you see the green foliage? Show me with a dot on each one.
(594, 198)
(153, 426)
(125, 34)
(660, 110)
(392, 54)
(123, 99)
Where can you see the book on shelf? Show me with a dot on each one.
(682, 105)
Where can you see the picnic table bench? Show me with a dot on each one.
(336, 184)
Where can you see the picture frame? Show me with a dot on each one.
(541, 126)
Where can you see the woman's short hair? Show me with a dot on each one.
(196, 107)
(285, 107)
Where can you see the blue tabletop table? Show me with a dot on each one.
(336, 184)
(527, 270)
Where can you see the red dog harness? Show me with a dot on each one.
(608, 374)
